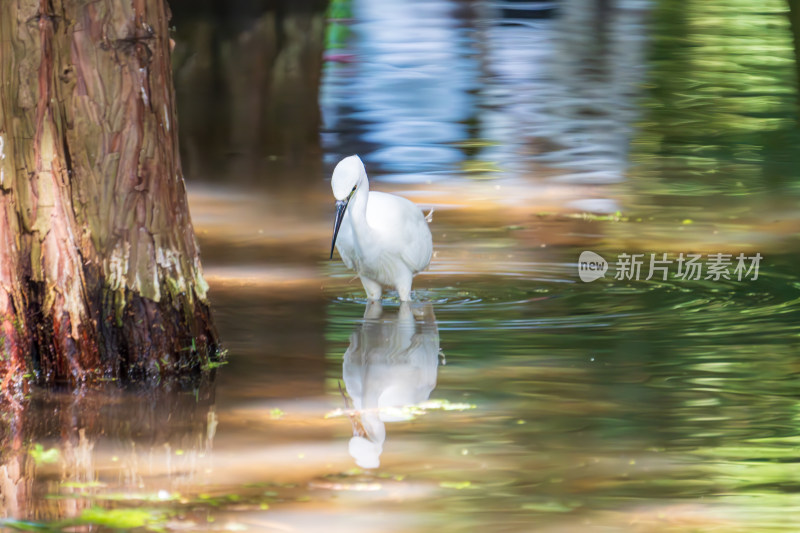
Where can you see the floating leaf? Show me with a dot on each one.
(479, 166)
(458, 485)
(549, 506)
(120, 518)
(78, 485)
(405, 412)
(615, 217)
(42, 456)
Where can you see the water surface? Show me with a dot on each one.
(511, 396)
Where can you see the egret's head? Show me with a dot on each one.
(346, 177)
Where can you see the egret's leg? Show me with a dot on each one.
(405, 325)
(403, 285)
(373, 310)
(405, 315)
(373, 288)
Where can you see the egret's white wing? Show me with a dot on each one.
(402, 228)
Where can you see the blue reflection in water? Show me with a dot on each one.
(534, 88)
(407, 91)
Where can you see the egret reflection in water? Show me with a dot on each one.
(391, 363)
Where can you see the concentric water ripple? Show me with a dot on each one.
(548, 296)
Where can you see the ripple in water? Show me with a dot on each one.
(543, 297)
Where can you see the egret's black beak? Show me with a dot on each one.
(341, 207)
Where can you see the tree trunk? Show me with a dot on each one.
(99, 268)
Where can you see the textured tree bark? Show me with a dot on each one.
(99, 268)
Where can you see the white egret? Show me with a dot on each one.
(383, 237)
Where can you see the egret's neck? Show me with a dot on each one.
(358, 204)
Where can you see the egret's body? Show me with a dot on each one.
(383, 237)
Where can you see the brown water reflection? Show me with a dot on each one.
(630, 407)
(58, 460)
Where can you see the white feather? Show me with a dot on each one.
(383, 237)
